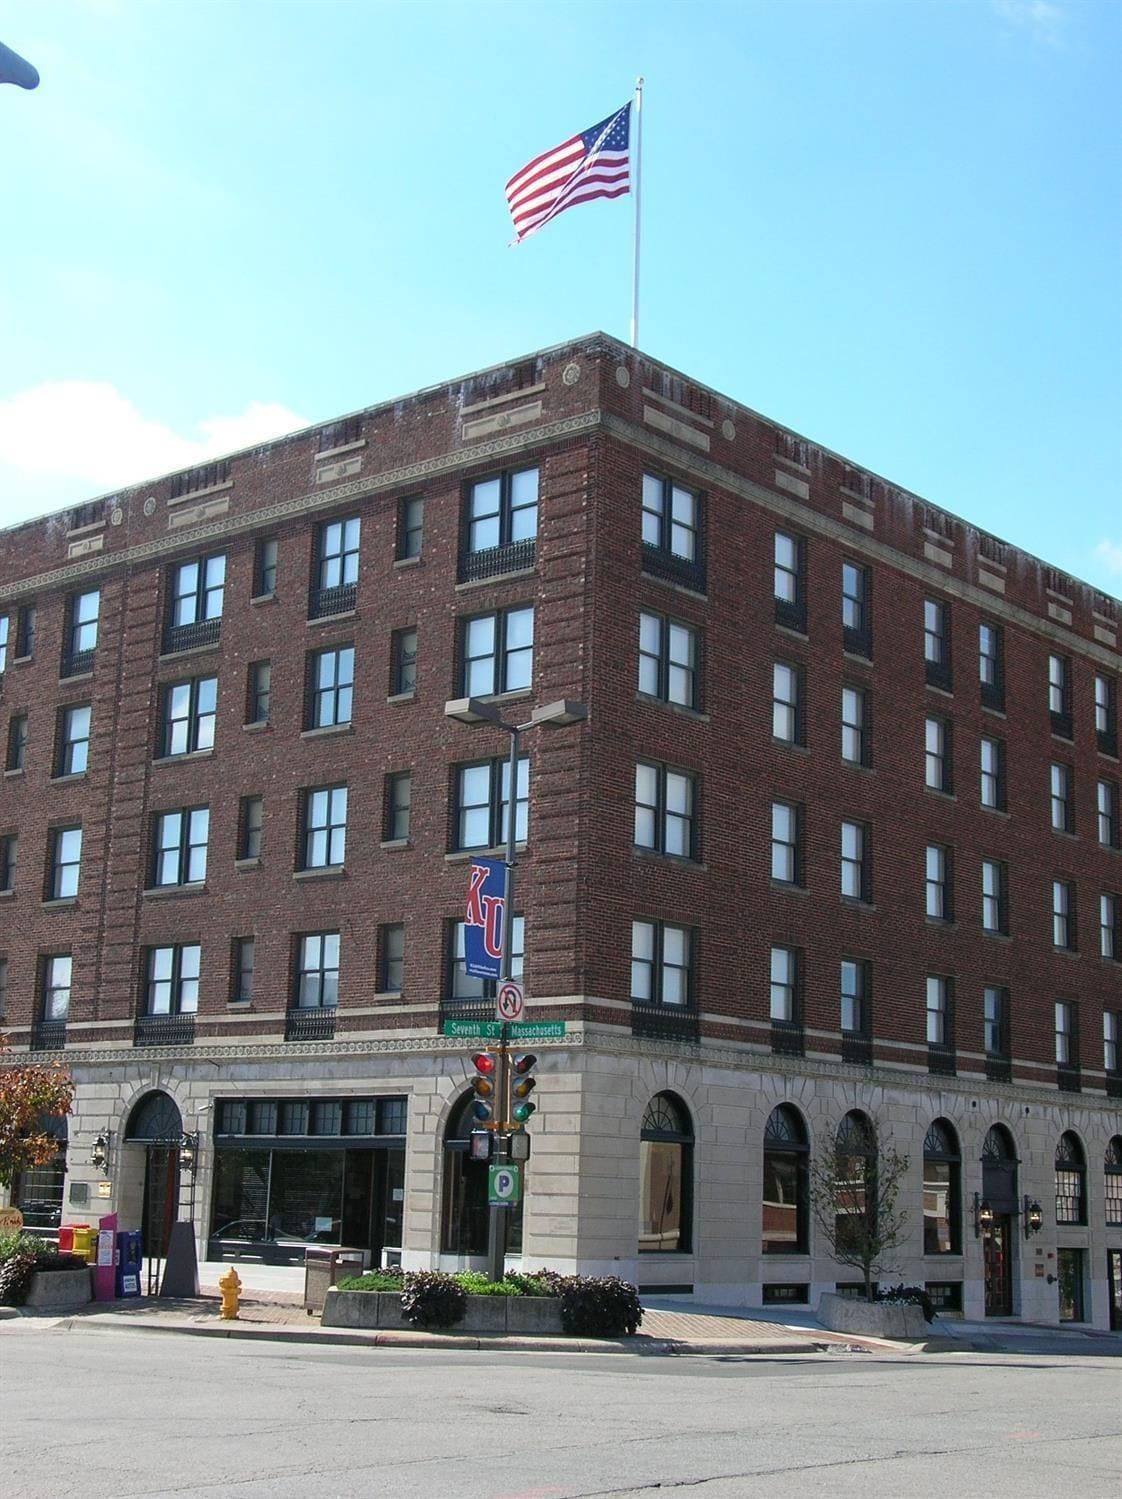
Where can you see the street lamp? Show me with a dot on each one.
(1033, 1216)
(472, 711)
(983, 1215)
(99, 1152)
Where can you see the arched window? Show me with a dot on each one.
(1071, 1180)
(1112, 1181)
(155, 1120)
(998, 1145)
(786, 1194)
(465, 1212)
(942, 1190)
(855, 1165)
(665, 1177)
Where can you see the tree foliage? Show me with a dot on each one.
(855, 1186)
(28, 1093)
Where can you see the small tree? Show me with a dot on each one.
(854, 1191)
(27, 1094)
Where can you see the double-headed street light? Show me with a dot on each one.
(473, 710)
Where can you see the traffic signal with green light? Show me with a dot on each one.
(485, 1084)
(522, 1084)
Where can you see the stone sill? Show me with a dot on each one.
(661, 702)
(263, 598)
(22, 660)
(521, 572)
(328, 872)
(390, 844)
(327, 730)
(407, 561)
(402, 697)
(789, 886)
(690, 593)
(165, 892)
(189, 650)
(190, 755)
(789, 630)
(331, 619)
(465, 855)
(256, 726)
(62, 903)
(14, 775)
(78, 676)
(947, 692)
(682, 861)
(254, 863)
(77, 775)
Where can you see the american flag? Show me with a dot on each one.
(594, 164)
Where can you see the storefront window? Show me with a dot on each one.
(665, 1177)
(785, 1183)
(941, 1191)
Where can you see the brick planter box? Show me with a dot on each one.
(875, 1319)
(382, 1309)
(59, 1290)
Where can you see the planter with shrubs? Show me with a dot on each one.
(541, 1302)
(34, 1274)
(898, 1312)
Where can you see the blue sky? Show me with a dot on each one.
(894, 225)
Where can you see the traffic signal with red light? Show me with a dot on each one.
(522, 1084)
(485, 1085)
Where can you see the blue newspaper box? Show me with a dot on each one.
(128, 1262)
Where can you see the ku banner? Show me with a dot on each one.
(485, 919)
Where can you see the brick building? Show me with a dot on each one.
(838, 842)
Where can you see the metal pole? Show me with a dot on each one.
(638, 196)
(497, 1220)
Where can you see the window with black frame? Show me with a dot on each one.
(669, 661)
(786, 1185)
(330, 687)
(188, 716)
(195, 594)
(1071, 1180)
(80, 646)
(942, 1190)
(500, 524)
(335, 568)
(665, 1177)
(497, 652)
(482, 803)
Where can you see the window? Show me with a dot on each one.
(259, 685)
(5, 625)
(786, 1187)
(938, 1011)
(995, 897)
(3, 987)
(1112, 1181)
(942, 1190)
(993, 773)
(991, 664)
(241, 970)
(391, 948)
(664, 810)
(668, 661)
(181, 846)
(1063, 915)
(189, 713)
(788, 720)
(17, 742)
(937, 643)
(498, 652)
(73, 740)
(995, 1005)
(784, 1001)
(856, 726)
(1067, 1042)
(25, 633)
(855, 980)
(1059, 695)
(1112, 1037)
(790, 581)
(172, 985)
(265, 568)
(661, 964)
(461, 985)
(410, 527)
(1107, 806)
(57, 972)
(251, 820)
(1071, 1180)
(325, 827)
(403, 667)
(195, 603)
(1063, 801)
(483, 803)
(786, 843)
(855, 861)
(1106, 731)
(399, 797)
(939, 884)
(9, 849)
(854, 1164)
(317, 971)
(66, 859)
(665, 1177)
(501, 523)
(331, 676)
(671, 531)
(1108, 926)
(335, 574)
(857, 624)
(81, 632)
(938, 757)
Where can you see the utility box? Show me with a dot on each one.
(324, 1268)
(128, 1262)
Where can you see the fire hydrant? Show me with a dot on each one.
(231, 1288)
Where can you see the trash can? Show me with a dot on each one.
(323, 1268)
(128, 1262)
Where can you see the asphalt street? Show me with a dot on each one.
(109, 1414)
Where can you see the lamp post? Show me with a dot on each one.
(560, 714)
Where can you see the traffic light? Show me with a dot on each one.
(522, 1084)
(484, 1083)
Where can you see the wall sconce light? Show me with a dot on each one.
(983, 1215)
(188, 1152)
(1033, 1216)
(99, 1153)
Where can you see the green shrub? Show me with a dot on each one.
(373, 1280)
(25, 1243)
(477, 1284)
(537, 1283)
(16, 1271)
(432, 1299)
(909, 1296)
(599, 1306)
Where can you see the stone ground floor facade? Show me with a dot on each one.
(682, 1168)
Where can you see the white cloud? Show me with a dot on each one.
(1044, 21)
(1109, 554)
(88, 431)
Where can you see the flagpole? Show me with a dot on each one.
(638, 199)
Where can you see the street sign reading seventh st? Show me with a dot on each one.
(490, 1030)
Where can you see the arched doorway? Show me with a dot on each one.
(995, 1221)
(157, 1124)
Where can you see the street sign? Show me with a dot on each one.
(473, 1028)
(509, 1001)
(536, 1030)
(504, 1185)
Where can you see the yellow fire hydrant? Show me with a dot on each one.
(231, 1288)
